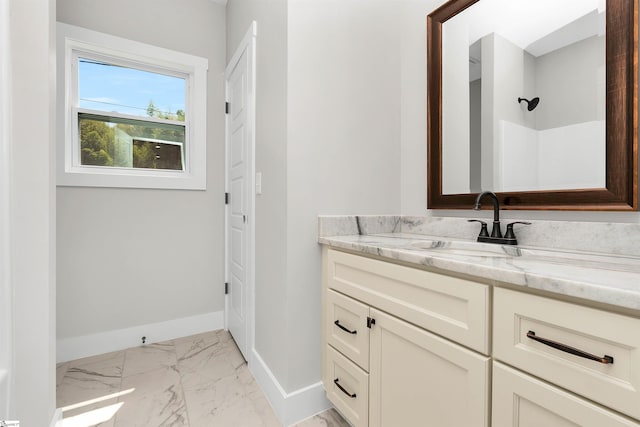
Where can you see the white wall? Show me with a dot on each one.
(130, 257)
(32, 210)
(343, 142)
(571, 84)
(456, 156)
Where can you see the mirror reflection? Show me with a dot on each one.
(523, 96)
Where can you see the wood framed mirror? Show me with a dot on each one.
(619, 124)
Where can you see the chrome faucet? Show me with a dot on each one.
(496, 232)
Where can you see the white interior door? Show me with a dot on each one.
(240, 186)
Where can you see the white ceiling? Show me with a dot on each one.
(537, 26)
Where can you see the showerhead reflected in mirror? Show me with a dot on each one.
(531, 105)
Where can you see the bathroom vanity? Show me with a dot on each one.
(427, 330)
(423, 326)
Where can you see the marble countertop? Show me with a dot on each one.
(605, 278)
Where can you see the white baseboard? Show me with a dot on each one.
(289, 407)
(119, 339)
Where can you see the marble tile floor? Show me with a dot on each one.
(196, 381)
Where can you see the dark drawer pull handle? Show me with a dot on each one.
(353, 396)
(337, 323)
(567, 349)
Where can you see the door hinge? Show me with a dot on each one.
(226, 288)
(370, 322)
(226, 108)
(226, 198)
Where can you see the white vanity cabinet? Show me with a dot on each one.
(403, 346)
(383, 363)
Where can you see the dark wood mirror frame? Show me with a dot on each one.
(621, 192)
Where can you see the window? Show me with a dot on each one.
(132, 115)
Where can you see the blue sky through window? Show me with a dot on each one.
(113, 88)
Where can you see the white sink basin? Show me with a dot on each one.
(529, 257)
(466, 249)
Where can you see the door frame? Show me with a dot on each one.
(6, 306)
(248, 43)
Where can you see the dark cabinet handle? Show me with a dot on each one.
(572, 350)
(337, 323)
(353, 396)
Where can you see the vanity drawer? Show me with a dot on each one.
(451, 307)
(521, 400)
(597, 332)
(347, 327)
(347, 387)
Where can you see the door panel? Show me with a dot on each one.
(419, 379)
(238, 170)
(520, 400)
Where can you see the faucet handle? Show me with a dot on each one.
(483, 227)
(510, 234)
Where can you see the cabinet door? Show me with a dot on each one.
(419, 379)
(520, 400)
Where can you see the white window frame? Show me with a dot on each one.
(74, 42)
